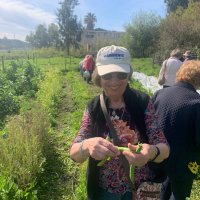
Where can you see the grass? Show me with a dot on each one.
(75, 95)
(21, 149)
(62, 179)
(146, 66)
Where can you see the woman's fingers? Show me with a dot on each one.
(137, 158)
(100, 148)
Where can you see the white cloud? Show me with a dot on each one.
(18, 16)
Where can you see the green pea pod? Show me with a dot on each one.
(123, 149)
(101, 163)
(132, 167)
(139, 148)
(132, 173)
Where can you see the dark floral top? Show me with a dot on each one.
(112, 176)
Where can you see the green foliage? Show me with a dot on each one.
(9, 103)
(81, 190)
(90, 20)
(146, 66)
(24, 76)
(69, 27)
(142, 34)
(20, 78)
(79, 93)
(181, 29)
(48, 94)
(137, 85)
(22, 147)
(30, 133)
(10, 190)
(172, 5)
(44, 36)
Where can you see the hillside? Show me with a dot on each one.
(11, 44)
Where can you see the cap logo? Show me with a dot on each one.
(114, 55)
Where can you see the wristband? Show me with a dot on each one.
(157, 154)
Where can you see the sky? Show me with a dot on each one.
(19, 18)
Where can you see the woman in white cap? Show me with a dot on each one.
(132, 115)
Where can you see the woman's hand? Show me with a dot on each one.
(97, 147)
(100, 148)
(140, 159)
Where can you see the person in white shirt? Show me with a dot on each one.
(170, 67)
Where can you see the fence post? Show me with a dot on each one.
(3, 67)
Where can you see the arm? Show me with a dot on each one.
(162, 70)
(197, 125)
(97, 147)
(156, 139)
(148, 153)
(161, 77)
(86, 145)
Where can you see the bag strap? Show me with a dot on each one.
(165, 67)
(123, 160)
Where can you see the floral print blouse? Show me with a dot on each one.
(112, 176)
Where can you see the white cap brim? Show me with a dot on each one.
(110, 68)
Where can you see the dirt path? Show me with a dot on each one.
(59, 176)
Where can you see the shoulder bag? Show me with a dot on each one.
(161, 77)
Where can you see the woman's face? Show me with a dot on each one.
(114, 84)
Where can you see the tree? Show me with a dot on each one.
(172, 5)
(181, 29)
(40, 38)
(90, 20)
(53, 34)
(142, 34)
(31, 39)
(70, 29)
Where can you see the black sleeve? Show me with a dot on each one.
(197, 128)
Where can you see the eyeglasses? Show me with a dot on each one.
(119, 75)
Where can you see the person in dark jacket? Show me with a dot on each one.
(189, 55)
(178, 109)
(133, 117)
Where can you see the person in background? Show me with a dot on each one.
(88, 67)
(189, 55)
(178, 109)
(170, 67)
(133, 116)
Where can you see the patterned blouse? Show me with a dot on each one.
(112, 176)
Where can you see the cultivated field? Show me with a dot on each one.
(51, 116)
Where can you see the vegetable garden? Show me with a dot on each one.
(41, 106)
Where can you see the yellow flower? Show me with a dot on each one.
(193, 167)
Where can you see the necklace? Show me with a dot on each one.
(115, 113)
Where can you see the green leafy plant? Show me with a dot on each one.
(22, 149)
(10, 190)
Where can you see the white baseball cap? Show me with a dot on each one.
(113, 59)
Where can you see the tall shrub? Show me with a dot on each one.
(22, 146)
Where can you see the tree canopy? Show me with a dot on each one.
(90, 20)
(181, 29)
(172, 5)
(69, 27)
(142, 34)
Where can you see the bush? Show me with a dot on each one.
(23, 144)
(10, 190)
(25, 77)
(9, 103)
